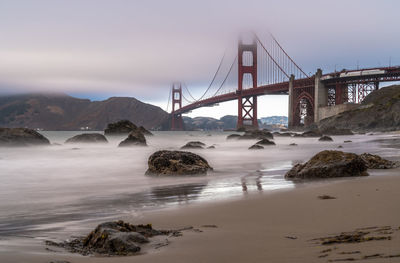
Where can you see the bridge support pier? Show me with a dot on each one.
(291, 102)
(247, 112)
(321, 95)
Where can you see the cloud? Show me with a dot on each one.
(138, 48)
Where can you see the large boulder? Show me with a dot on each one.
(88, 138)
(376, 162)
(328, 164)
(113, 239)
(193, 145)
(176, 163)
(21, 137)
(120, 127)
(135, 138)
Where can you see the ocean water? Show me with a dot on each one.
(60, 190)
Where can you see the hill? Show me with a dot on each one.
(63, 112)
(380, 111)
(229, 122)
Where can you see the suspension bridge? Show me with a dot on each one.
(263, 68)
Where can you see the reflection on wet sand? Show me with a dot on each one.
(177, 193)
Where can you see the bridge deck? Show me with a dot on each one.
(348, 77)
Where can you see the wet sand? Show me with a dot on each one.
(270, 227)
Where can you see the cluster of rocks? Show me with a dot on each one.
(329, 164)
(177, 163)
(124, 127)
(116, 238)
(136, 135)
(264, 137)
(252, 135)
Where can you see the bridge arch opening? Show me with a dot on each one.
(247, 58)
(247, 82)
(304, 111)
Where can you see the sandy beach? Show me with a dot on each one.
(272, 227)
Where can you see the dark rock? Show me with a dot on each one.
(193, 145)
(145, 132)
(326, 197)
(336, 131)
(325, 139)
(256, 147)
(377, 162)
(265, 142)
(312, 133)
(233, 136)
(88, 138)
(347, 141)
(293, 144)
(211, 147)
(21, 137)
(135, 138)
(340, 146)
(120, 127)
(176, 163)
(112, 239)
(328, 164)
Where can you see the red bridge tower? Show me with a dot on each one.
(247, 106)
(177, 121)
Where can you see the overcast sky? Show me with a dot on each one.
(101, 48)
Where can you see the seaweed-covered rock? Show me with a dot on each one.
(112, 239)
(233, 136)
(21, 137)
(256, 147)
(325, 139)
(328, 164)
(193, 145)
(88, 138)
(135, 138)
(376, 162)
(120, 127)
(177, 163)
(265, 142)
